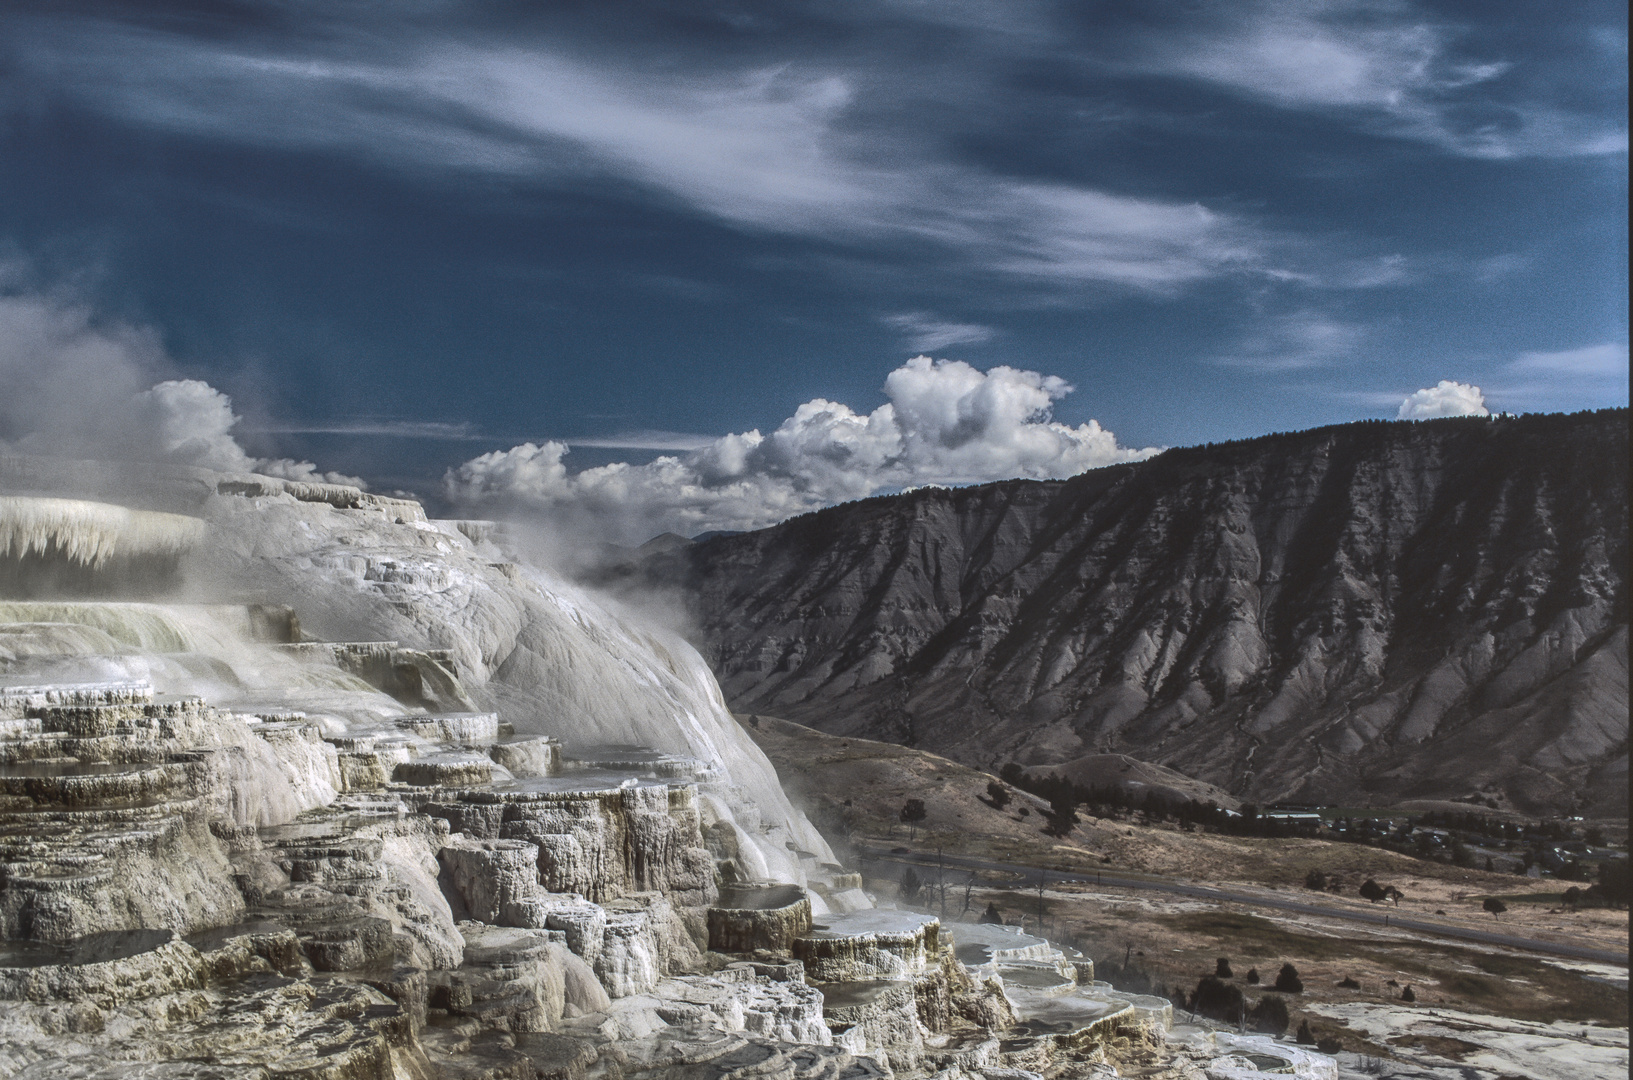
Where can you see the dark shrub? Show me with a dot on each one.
(1221, 968)
(1316, 881)
(1329, 1045)
(1305, 1036)
(1252, 976)
(997, 794)
(1269, 1016)
(1371, 890)
(1407, 995)
(1217, 1000)
(1349, 984)
(1287, 980)
(910, 884)
(991, 915)
(1614, 882)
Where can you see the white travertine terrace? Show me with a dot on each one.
(91, 533)
(480, 832)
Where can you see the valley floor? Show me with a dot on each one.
(1482, 1011)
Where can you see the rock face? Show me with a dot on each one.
(1362, 613)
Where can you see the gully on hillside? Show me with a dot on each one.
(1370, 612)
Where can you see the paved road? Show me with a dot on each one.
(1155, 884)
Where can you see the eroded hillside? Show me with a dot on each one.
(1364, 613)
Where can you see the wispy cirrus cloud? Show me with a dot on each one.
(1295, 341)
(1392, 68)
(1588, 377)
(1605, 360)
(762, 148)
(642, 440)
(388, 429)
(927, 333)
(436, 431)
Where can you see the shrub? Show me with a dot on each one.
(1269, 1016)
(1349, 984)
(1329, 1045)
(1316, 881)
(991, 915)
(1252, 976)
(1305, 1036)
(997, 794)
(1371, 890)
(910, 884)
(1221, 968)
(1407, 995)
(1217, 1000)
(1494, 905)
(1614, 881)
(1572, 897)
(1287, 980)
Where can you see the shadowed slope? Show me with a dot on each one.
(1368, 612)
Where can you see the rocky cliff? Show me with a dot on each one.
(1362, 613)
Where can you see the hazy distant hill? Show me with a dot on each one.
(1368, 612)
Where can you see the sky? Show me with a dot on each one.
(701, 265)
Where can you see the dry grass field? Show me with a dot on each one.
(855, 790)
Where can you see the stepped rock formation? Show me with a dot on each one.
(492, 828)
(1357, 614)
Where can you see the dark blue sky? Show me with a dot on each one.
(407, 222)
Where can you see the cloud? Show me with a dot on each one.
(1445, 398)
(1292, 342)
(390, 429)
(926, 333)
(785, 148)
(945, 423)
(1393, 70)
(643, 440)
(1589, 377)
(1600, 361)
(73, 387)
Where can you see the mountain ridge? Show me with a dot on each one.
(1371, 611)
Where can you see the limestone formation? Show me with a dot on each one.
(748, 918)
(226, 853)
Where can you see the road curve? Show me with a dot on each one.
(1155, 884)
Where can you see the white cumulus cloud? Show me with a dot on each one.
(1445, 398)
(945, 423)
(72, 387)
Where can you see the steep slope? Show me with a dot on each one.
(551, 658)
(1367, 612)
